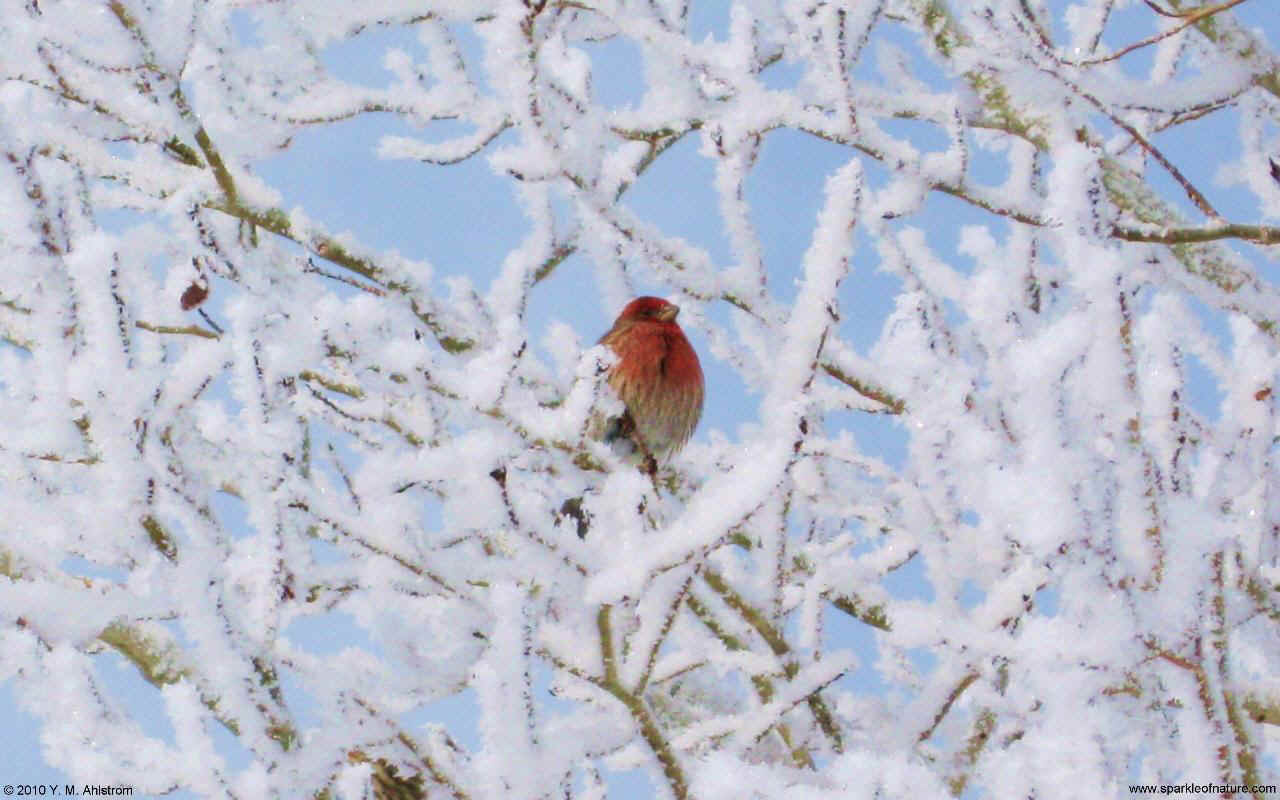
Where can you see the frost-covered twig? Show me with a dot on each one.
(1189, 18)
(639, 710)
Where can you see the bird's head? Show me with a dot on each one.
(649, 308)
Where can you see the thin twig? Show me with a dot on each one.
(1191, 191)
(639, 710)
(1191, 16)
(185, 330)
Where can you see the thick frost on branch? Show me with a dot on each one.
(1002, 515)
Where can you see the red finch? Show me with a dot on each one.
(657, 376)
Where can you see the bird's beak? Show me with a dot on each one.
(668, 312)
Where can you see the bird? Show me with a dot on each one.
(657, 377)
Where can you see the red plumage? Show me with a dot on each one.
(657, 376)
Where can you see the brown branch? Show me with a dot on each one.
(364, 287)
(1204, 692)
(1191, 191)
(763, 685)
(868, 615)
(778, 644)
(385, 774)
(350, 390)
(1263, 712)
(639, 710)
(1191, 16)
(672, 611)
(184, 330)
(1258, 234)
(942, 712)
(891, 402)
